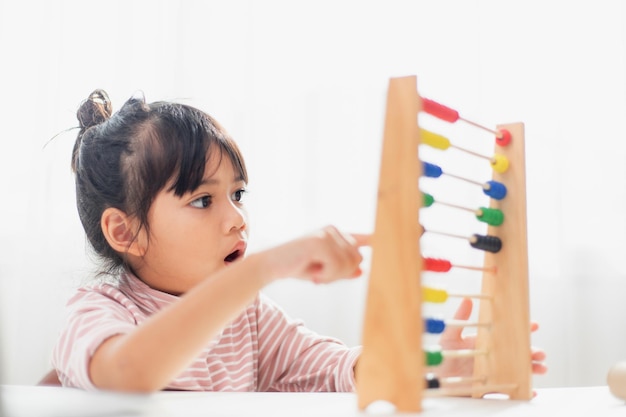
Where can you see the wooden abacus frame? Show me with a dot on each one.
(391, 367)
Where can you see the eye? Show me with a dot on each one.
(238, 195)
(202, 202)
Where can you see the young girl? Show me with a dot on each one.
(160, 192)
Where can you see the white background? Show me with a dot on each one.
(301, 86)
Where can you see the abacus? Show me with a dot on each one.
(394, 361)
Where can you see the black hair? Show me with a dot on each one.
(124, 159)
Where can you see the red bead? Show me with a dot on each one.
(439, 110)
(437, 265)
(505, 137)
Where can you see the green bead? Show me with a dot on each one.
(433, 358)
(492, 217)
(428, 200)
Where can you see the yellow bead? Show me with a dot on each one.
(434, 140)
(500, 163)
(433, 295)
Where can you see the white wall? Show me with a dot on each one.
(301, 86)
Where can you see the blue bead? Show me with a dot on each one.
(434, 326)
(432, 170)
(495, 190)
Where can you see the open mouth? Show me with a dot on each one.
(233, 256)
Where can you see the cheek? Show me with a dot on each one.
(190, 238)
(170, 236)
(183, 251)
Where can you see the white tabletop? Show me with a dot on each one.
(29, 401)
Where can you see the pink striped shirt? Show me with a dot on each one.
(261, 350)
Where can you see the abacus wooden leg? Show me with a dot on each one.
(391, 367)
(507, 340)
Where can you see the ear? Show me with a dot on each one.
(120, 231)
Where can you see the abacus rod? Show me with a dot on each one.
(463, 323)
(462, 379)
(489, 158)
(467, 391)
(455, 206)
(491, 269)
(495, 132)
(479, 296)
(464, 179)
(436, 295)
(447, 234)
(487, 243)
(463, 353)
(450, 115)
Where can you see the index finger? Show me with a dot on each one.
(361, 239)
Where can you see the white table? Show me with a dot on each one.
(31, 401)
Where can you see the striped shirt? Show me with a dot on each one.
(261, 350)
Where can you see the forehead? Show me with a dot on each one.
(219, 164)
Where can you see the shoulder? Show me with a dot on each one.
(94, 295)
(106, 301)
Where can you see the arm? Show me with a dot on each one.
(294, 358)
(130, 362)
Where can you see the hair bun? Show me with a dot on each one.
(91, 112)
(94, 110)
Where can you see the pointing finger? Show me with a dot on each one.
(361, 239)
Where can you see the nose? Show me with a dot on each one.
(235, 218)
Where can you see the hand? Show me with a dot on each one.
(322, 257)
(452, 339)
(537, 356)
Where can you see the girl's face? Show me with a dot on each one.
(198, 234)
